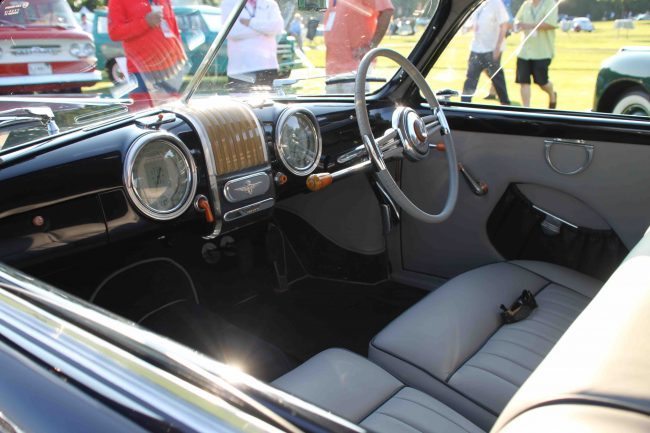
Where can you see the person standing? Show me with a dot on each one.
(491, 22)
(295, 29)
(352, 28)
(152, 45)
(252, 48)
(86, 25)
(538, 19)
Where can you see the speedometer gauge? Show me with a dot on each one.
(298, 142)
(160, 175)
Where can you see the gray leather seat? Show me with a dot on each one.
(597, 377)
(354, 388)
(453, 346)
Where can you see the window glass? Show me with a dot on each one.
(575, 56)
(277, 47)
(102, 25)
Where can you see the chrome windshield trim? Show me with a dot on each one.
(209, 57)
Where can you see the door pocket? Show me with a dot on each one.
(520, 230)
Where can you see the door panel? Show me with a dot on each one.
(612, 192)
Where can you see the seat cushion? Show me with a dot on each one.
(356, 389)
(453, 346)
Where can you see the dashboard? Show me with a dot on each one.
(211, 166)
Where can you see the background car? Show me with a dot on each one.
(583, 24)
(199, 25)
(44, 49)
(623, 83)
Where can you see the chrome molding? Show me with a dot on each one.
(129, 160)
(286, 114)
(249, 209)
(110, 371)
(212, 171)
(102, 355)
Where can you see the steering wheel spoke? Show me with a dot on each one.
(413, 132)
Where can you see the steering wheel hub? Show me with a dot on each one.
(413, 133)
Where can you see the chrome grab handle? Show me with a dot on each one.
(588, 148)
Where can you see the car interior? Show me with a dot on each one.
(437, 267)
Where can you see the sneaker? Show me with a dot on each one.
(553, 104)
(491, 97)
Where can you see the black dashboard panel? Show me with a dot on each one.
(69, 194)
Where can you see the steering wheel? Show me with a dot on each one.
(409, 135)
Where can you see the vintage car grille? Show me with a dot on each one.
(233, 133)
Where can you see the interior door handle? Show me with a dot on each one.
(588, 148)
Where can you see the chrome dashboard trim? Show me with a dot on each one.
(129, 160)
(246, 187)
(249, 209)
(212, 171)
(286, 114)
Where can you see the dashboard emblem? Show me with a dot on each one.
(248, 187)
(244, 188)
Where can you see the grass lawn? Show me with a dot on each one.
(573, 70)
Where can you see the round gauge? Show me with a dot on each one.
(160, 175)
(298, 141)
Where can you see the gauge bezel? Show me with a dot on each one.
(134, 150)
(282, 120)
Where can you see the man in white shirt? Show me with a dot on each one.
(490, 23)
(252, 48)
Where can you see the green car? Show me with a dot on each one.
(199, 26)
(623, 84)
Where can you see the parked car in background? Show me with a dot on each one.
(199, 25)
(43, 49)
(582, 24)
(623, 84)
(643, 17)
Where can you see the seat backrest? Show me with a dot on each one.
(597, 377)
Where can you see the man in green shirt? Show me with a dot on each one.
(538, 20)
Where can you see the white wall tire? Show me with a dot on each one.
(636, 103)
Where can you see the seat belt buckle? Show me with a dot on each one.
(520, 309)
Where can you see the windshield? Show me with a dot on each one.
(89, 66)
(36, 13)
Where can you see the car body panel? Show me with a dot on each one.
(40, 57)
(629, 68)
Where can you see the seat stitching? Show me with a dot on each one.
(550, 301)
(507, 359)
(386, 400)
(401, 421)
(460, 365)
(493, 374)
(534, 319)
(562, 292)
(526, 331)
(520, 345)
(554, 282)
(556, 314)
(432, 410)
(481, 405)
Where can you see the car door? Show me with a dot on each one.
(564, 185)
